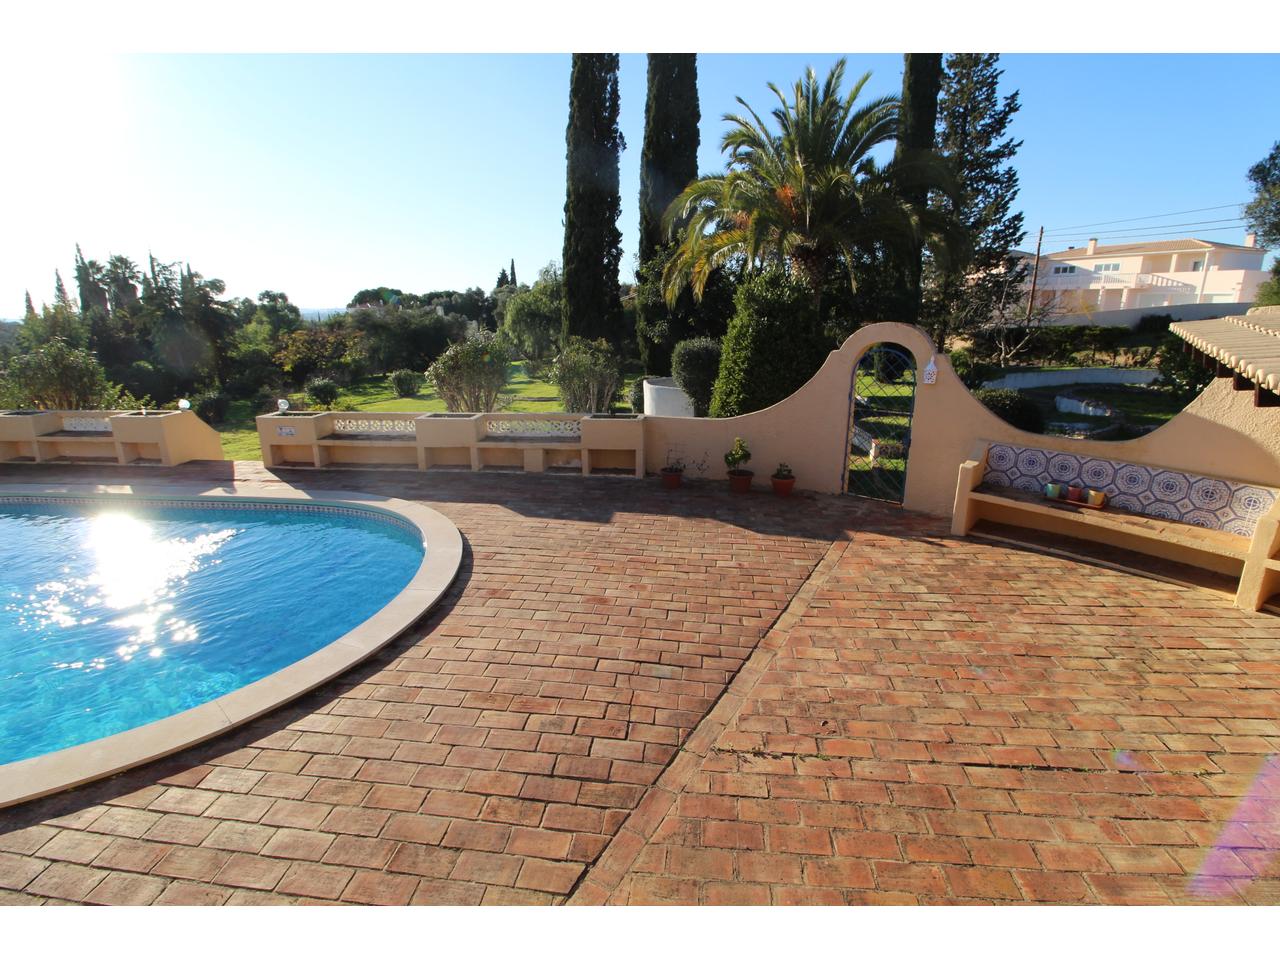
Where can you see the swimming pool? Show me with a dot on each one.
(121, 614)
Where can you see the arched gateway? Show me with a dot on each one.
(882, 398)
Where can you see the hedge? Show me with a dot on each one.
(774, 345)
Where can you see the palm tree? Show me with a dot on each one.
(808, 196)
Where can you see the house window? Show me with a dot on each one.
(1107, 267)
(1197, 266)
(1058, 270)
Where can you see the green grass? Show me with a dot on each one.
(886, 415)
(523, 394)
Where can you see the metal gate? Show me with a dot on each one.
(881, 403)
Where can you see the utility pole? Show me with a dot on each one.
(1035, 276)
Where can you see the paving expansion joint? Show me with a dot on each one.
(601, 879)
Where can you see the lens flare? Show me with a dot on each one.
(1247, 842)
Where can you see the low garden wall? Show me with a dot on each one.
(125, 437)
(1221, 432)
(1059, 378)
(1130, 316)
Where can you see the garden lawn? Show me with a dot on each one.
(523, 394)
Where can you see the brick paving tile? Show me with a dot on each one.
(1027, 695)
(930, 720)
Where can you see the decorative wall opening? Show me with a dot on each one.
(881, 402)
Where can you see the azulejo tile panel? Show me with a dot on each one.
(1155, 491)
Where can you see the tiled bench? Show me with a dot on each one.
(1228, 527)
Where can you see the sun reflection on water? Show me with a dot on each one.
(134, 579)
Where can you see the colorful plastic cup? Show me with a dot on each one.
(1053, 491)
(1096, 498)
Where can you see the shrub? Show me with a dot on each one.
(325, 352)
(532, 321)
(1154, 323)
(774, 345)
(659, 327)
(211, 406)
(396, 336)
(695, 364)
(58, 376)
(636, 396)
(587, 374)
(1013, 408)
(1181, 373)
(738, 455)
(322, 392)
(252, 369)
(972, 373)
(406, 383)
(470, 375)
(1268, 294)
(143, 378)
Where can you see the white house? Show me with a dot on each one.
(1157, 273)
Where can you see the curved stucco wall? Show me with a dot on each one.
(1220, 433)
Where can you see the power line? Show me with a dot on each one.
(1143, 236)
(1154, 216)
(1161, 227)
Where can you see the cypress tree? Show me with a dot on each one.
(93, 295)
(921, 81)
(60, 297)
(592, 243)
(973, 122)
(503, 280)
(512, 276)
(30, 313)
(669, 157)
(668, 162)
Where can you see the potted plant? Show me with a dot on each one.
(783, 480)
(672, 473)
(739, 479)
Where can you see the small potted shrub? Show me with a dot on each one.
(783, 480)
(739, 479)
(672, 473)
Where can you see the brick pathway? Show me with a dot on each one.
(951, 722)
(489, 754)
(930, 720)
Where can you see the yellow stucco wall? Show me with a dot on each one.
(1221, 433)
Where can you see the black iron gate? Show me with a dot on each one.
(881, 404)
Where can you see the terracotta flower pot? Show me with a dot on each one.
(782, 485)
(671, 478)
(740, 480)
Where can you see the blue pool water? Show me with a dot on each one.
(114, 615)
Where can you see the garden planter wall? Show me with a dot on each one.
(528, 442)
(123, 437)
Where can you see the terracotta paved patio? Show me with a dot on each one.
(925, 720)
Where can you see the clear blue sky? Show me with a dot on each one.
(322, 174)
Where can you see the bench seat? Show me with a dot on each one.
(1225, 526)
(1217, 542)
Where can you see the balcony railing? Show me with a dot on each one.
(1087, 280)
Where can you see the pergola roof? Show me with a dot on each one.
(1248, 345)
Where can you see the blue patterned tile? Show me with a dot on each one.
(1155, 491)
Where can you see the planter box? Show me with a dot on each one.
(162, 437)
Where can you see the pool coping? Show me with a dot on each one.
(49, 773)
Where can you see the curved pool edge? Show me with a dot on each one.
(50, 773)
